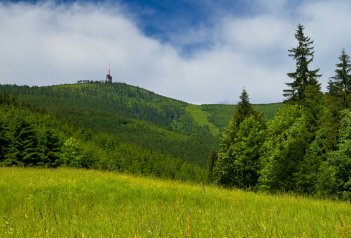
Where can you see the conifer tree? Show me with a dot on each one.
(51, 146)
(24, 149)
(237, 161)
(303, 76)
(340, 85)
(243, 110)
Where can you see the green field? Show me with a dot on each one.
(83, 203)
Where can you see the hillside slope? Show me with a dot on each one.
(135, 116)
(33, 138)
(79, 203)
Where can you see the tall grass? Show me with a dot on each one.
(79, 203)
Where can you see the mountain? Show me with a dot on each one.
(128, 115)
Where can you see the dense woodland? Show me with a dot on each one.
(110, 126)
(305, 148)
(135, 115)
(33, 138)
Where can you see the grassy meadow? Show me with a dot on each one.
(87, 203)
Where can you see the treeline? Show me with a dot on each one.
(32, 138)
(305, 148)
(118, 98)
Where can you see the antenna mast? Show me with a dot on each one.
(108, 76)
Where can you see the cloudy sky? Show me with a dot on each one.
(198, 51)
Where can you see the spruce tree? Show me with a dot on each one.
(237, 162)
(340, 85)
(24, 149)
(303, 76)
(243, 110)
(51, 149)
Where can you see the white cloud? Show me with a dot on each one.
(48, 44)
(328, 24)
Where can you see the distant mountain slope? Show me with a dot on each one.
(201, 117)
(135, 116)
(220, 114)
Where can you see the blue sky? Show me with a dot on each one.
(197, 51)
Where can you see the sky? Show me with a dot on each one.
(198, 51)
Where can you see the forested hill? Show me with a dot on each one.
(133, 117)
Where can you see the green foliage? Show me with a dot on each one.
(220, 114)
(246, 150)
(243, 110)
(51, 149)
(282, 150)
(303, 76)
(132, 115)
(297, 142)
(300, 137)
(237, 163)
(71, 154)
(29, 142)
(339, 86)
(336, 175)
(151, 124)
(212, 160)
(320, 138)
(268, 110)
(37, 139)
(201, 118)
(24, 148)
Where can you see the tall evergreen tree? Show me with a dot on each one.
(340, 85)
(237, 162)
(319, 137)
(51, 149)
(24, 149)
(303, 76)
(243, 110)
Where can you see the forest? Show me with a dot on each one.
(30, 137)
(301, 145)
(112, 127)
(305, 148)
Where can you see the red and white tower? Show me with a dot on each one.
(108, 76)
